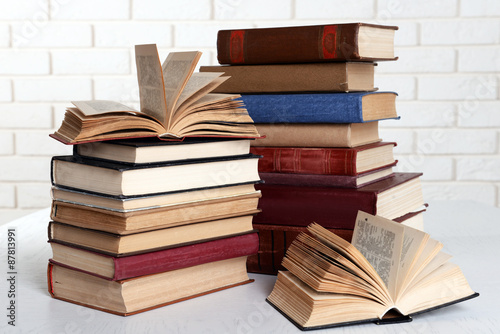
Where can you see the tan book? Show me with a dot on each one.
(317, 135)
(311, 77)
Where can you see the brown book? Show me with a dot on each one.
(312, 77)
(317, 135)
(302, 44)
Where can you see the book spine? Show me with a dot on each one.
(288, 44)
(310, 180)
(306, 161)
(330, 207)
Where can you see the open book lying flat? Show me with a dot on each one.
(388, 273)
(175, 103)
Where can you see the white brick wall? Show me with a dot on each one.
(447, 77)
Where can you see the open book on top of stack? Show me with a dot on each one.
(174, 103)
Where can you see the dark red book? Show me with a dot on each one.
(334, 207)
(303, 44)
(119, 268)
(331, 161)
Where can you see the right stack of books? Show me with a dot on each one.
(310, 90)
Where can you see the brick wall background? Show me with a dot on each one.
(55, 51)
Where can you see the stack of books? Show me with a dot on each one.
(139, 222)
(310, 91)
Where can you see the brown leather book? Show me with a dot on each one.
(302, 44)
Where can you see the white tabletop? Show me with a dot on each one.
(469, 231)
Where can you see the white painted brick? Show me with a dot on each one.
(406, 35)
(4, 35)
(21, 62)
(416, 114)
(25, 168)
(475, 113)
(403, 138)
(479, 59)
(58, 111)
(90, 10)
(33, 195)
(404, 85)
(128, 34)
(420, 60)
(52, 89)
(478, 169)
(39, 143)
(456, 141)
(334, 9)
(172, 10)
(479, 8)
(416, 9)
(7, 140)
(252, 10)
(24, 10)
(50, 34)
(457, 87)
(483, 193)
(25, 116)
(201, 35)
(92, 61)
(7, 196)
(5, 90)
(433, 168)
(484, 31)
(122, 89)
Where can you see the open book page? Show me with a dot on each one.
(177, 69)
(380, 240)
(95, 107)
(150, 78)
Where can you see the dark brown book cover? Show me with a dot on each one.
(316, 43)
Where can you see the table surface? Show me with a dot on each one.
(469, 231)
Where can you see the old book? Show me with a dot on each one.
(334, 207)
(119, 268)
(281, 78)
(154, 218)
(118, 179)
(321, 107)
(330, 161)
(317, 135)
(174, 103)
(139, 294)
(387, 270)
(302, 44)
(147, 241)
(152, 150)
(136, 203)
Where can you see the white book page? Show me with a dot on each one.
(96, 107)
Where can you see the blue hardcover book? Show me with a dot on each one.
(321, 107)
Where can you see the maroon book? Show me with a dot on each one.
(325, 161)
(119, 268)
(334, 207)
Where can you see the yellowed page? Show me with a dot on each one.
(151, 86)
(96, 107)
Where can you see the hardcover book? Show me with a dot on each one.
(387, 268)
(302, 44)
(321, 107)
(282, 78)
(119, 268)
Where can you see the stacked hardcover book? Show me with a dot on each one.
(141, 222)
(310, 91)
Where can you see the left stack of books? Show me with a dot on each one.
(139, 222)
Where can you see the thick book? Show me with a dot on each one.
(174, 103)
(118, 179)
(387, 270)
(355, 107)
(317, 135)
(119, 268)
(303, 44)
(119, 245)
(154, 150)
(143, 293)
(334, 207)
(283, 78)
(325, 161)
